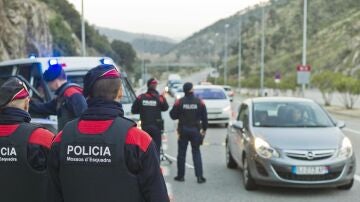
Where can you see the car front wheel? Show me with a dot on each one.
(230, 162)
(248, 180)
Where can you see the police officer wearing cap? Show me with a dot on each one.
(103, 156)
(23, 148)
(192, 115)
(150, 105)
(69, 102)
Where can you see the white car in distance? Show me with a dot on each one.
(216, 101)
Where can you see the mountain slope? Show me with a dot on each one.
(142, 42)
(333, 38)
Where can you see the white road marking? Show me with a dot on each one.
(352, 131)
(174, 159)
(170, 192)
(357, 178)
(165, 171)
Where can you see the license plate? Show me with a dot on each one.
(310, 170)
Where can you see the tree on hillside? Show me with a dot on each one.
(325, 82)
(288, 83)
(349, 88)
(126, 53)
(71, 16)
(64, 44)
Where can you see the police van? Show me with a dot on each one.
(30, 71)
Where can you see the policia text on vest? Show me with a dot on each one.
(89, 154)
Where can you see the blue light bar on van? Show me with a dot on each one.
(106, 61)
(53, 62)
(32, 56)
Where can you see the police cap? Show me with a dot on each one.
(12, 89)
(104, 71)
(53, 72)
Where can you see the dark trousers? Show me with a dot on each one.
(193, 136)
(155, 134)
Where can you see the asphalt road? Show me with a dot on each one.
(224, 184)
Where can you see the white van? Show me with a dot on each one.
(30, 71)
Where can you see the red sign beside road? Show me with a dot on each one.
(303, 74)
(303, 68)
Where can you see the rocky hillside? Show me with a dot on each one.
(24, 29)
(333, 39)
(53, 28)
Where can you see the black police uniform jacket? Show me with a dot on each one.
(23, 155)
(68, 105)
(191, 112)
(150, 105)
(103, 157)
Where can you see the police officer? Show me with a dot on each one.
(68, 104)
(23, 148)
(103, 156)
(150, 105)
(190, 111)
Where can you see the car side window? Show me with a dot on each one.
(244, 115)
(239, 114)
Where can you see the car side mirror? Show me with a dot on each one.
(340, 124)
(238, 125)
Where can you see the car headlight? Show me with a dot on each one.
(226, 109)
(264, 150)
(346, 148)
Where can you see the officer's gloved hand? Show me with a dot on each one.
(163, 94)
(202, 133)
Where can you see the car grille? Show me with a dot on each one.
(309, 155)
(217, 119)
(285, 173)
(214, 111)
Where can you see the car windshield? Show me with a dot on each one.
(174, 82)
(210, 94)
(290, 114)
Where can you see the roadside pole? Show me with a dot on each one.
(304, 43)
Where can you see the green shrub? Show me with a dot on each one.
(63, 42)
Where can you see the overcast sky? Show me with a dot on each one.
(172, 18)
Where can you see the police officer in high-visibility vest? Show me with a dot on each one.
(69, 102)
(103, 156)
(150, 105)
(23, 148)
(192, 115)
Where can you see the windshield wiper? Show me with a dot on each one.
(316, 126)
